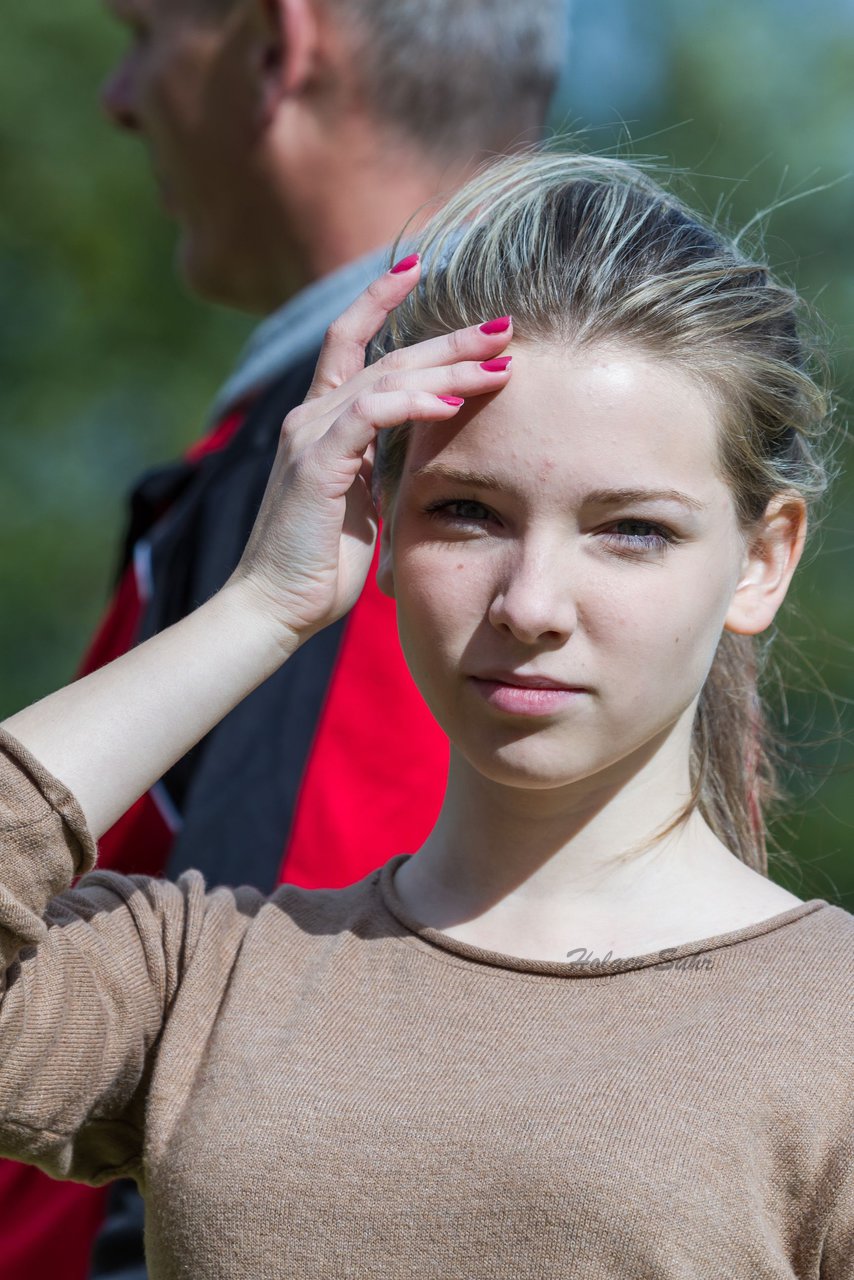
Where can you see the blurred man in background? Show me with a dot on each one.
(291, 140)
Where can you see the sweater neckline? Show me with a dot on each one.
(593, 968)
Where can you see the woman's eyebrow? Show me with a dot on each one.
(596, 497)
(614, 497)
(454, 475)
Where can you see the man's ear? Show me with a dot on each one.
(290, 32)
(385, 572)
(769, 563)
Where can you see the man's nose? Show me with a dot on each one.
(118, 98)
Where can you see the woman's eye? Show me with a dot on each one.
(643, 535)
(448, 511)
(624, 535)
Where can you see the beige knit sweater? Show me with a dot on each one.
(313, 1085)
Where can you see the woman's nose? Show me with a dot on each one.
(535, 599)
(118, 98)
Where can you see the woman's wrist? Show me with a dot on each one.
(256, 620)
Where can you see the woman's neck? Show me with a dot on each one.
(537, 873)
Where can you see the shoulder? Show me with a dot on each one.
(825, 933)
(225, 906)
(835, 926)
(819, 977)
(352, 907)
(298, 929)
(166, 917)
(187, 905)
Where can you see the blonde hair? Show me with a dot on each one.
(582, 250)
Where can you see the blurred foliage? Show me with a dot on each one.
(107, 366)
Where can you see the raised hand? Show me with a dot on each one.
(311, 547)
(109, 736)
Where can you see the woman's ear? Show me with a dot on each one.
(385, 572)
(769, 563)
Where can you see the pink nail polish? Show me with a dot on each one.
(453, 400)
(406, 264)
(498, 365)
(501, 325)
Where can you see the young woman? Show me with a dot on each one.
(579, 1032)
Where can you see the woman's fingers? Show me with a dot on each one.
(478, 342)
(436, 364)
(468, 378)
(341, 368)
(339, 452)
(311, 546)
(343, 352)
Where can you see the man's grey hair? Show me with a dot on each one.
(459, 77)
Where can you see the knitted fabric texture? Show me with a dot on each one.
(312, 1084)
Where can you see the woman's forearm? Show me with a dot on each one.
(112, 734)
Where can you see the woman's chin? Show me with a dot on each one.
(525, 765)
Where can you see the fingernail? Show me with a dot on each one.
(454, 400)
(406, 264)
(496, 326)
(498, 365)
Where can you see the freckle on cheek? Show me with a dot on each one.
(460, 566)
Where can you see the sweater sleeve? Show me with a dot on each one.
(87, 979)
(837, 1258)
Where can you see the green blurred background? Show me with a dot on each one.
(107, 366)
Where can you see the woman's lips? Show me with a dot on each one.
(524, 701)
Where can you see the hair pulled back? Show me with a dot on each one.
(585, 250)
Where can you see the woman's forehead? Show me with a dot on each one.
(606, 418)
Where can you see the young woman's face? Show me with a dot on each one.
(543, 533)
